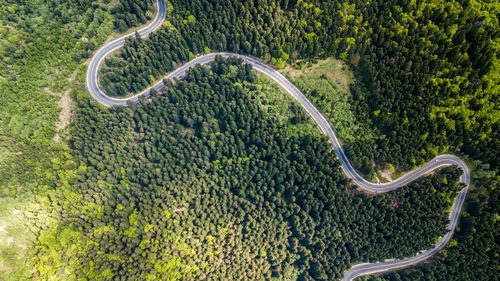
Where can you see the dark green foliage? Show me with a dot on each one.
(415, 71)
(242, 27)
(164, 56)
(475, 256)
(131, 13)
(200, 183)
(273, 205)
(413, 68)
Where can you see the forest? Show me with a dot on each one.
(42, 46)
(216, 177)
(473, 252)
(200, 183)
(426, 61)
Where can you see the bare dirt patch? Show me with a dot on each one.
(66, 105)
(386, 174)
(395, 202)
(180, 209)
(73, 76)
(47, 89)
(357, 190)
(355, 59)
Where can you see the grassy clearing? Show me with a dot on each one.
(15, 238)
(336, 71)
(326, 84)
(289, 111)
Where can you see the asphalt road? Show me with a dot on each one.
(321, 121)
(104, 51)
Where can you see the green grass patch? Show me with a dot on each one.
(326, 84)
(15, 237)
(289, 111)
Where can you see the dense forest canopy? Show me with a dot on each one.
(200, 175)
(205, 180)
(428, 62)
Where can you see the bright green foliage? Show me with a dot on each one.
(169, 8)
(434, 64)
(280, 63)
(287, 110)
(209, 181)
(132, 219)
(68, 236)
(232, 192)
(326, 85)
(423, 67)
(41, 45)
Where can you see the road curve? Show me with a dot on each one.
(104, 51)
(321, 121)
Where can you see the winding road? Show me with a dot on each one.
(321, 121)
